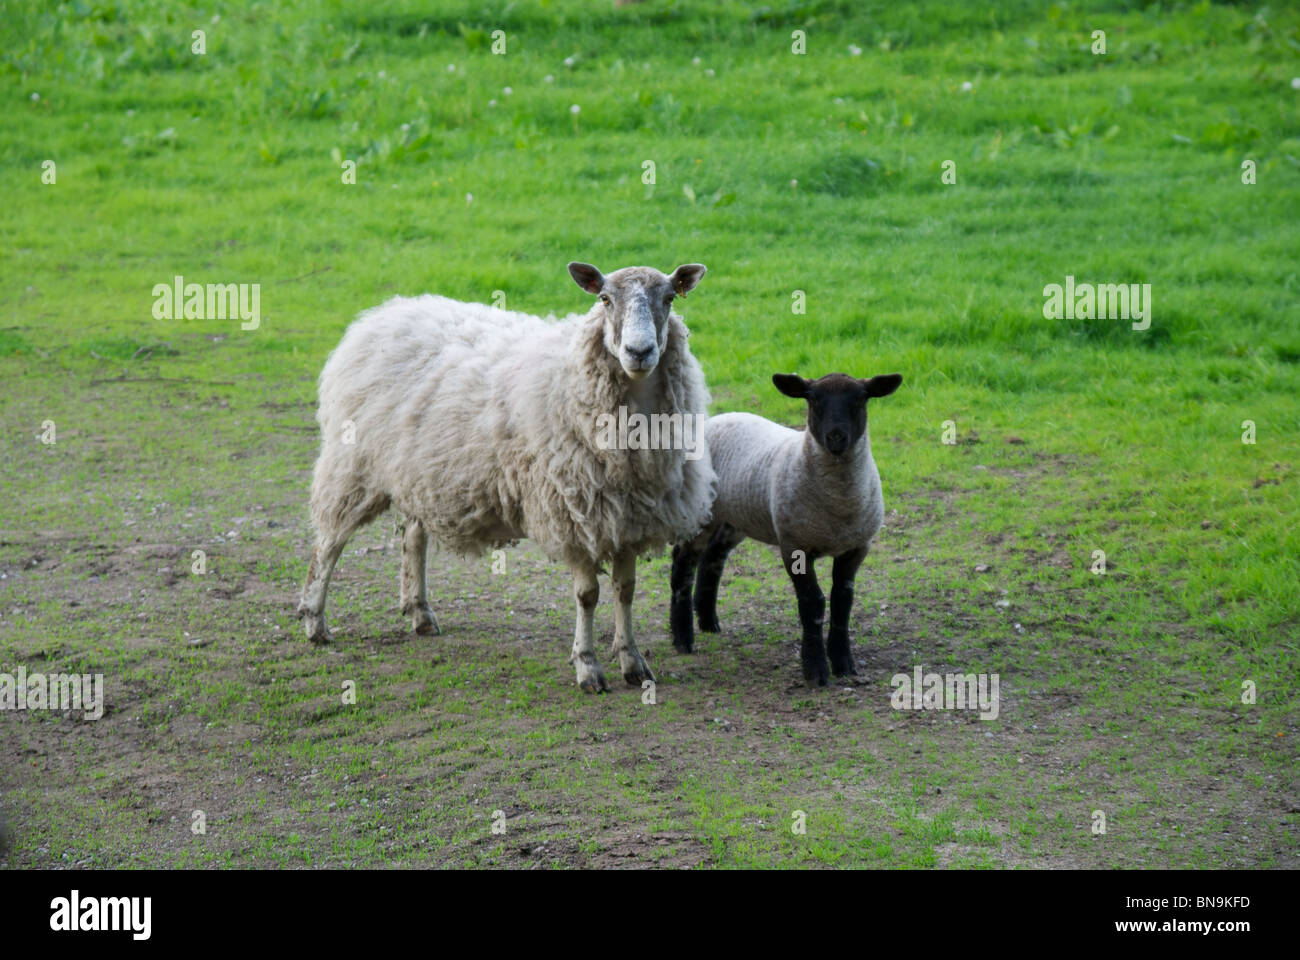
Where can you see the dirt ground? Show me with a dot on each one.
(216, 704)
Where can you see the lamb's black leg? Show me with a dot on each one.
(812, 614)
(686, 557)
(842, 574)
(721, 543)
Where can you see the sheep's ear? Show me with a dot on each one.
(686, 276)
(791, 384)
(883, 385)
(587, 277)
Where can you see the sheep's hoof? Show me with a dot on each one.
(635, 669)
(590, 677)
(684, 646)
(709, 623)
(424, 622)
(314, 624)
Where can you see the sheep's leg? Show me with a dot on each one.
(415, 601)
(334, 526)
(812, 612)
(686, 557)
(721, 543)
(837, 641)
(586, 591)
(623, 579)
(311, 608)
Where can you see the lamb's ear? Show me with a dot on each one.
(883, 385)
(791, 384)
(686, 276)
(587, 277)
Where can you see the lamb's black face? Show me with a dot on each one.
(837, 405)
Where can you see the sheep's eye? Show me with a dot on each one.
(604, 299)
(670, 298)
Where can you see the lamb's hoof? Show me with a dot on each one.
(635, 669)
(843, 666)
(590, 677)
(424, 622)
(709, 624)
(684, 646)
(815, 674)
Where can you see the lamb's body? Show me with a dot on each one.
(776, 485)
(813, 493)
(482, 427)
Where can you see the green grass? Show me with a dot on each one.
(818, 173)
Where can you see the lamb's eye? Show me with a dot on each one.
(604, 299)
(670, 298)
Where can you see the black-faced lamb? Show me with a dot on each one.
(813, 493)
(484, 426)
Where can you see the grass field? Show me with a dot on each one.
(812, 178)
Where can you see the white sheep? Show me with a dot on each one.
(813, 493)
(484, 426)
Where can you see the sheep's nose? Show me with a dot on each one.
(836, 440)
(642, 355)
